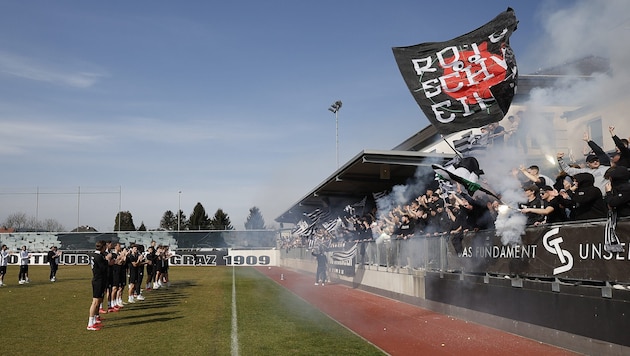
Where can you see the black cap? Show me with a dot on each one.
(591, 158)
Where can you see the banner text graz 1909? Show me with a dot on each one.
(180, 258)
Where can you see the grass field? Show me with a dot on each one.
(192, 317)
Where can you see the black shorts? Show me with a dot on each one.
(3, 270)
(115, 276)
(110, 276)
(122, 277)
(133, 275)
(98, 288)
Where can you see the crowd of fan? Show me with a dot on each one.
(592, 189)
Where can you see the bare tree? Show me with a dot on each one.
(52, 225)
(22, 222)
(18, 221)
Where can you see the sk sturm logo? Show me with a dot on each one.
(553, 246)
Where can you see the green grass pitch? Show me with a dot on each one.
(192, 317)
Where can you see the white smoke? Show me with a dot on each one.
(595, 29)
(403, 194)
(400, 196)
(510, 225)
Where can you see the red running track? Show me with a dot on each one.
(399, 328)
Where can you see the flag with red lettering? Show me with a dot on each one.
(466, 82)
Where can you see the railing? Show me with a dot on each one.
(418, 252)
(576, 251)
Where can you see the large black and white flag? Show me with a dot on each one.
(466, 82)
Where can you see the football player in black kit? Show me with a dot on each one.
(99, 262)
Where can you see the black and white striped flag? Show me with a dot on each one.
(332, 225)
(318, 215)
(344, 256)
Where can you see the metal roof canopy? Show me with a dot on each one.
(368, 172)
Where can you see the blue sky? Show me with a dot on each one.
(223, 101)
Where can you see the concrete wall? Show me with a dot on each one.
(394, 281)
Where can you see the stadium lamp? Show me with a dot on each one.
(334, 108)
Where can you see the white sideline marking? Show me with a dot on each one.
(234, 319)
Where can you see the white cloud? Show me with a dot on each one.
(21, 137)
(37, 70)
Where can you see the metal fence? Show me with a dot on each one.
(578, 251)
(419, 252)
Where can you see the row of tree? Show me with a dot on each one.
(198, 220)
(23, 222)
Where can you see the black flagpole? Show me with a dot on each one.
(453, 148)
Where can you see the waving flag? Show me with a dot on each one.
(303, 229)
(466, 82)
(332, 225)
(318, 214)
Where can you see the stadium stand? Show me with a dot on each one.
(34, 242)
(144, 238)
(188, 240)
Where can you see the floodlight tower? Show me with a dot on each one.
(334, 108)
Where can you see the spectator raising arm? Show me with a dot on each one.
(621, 145)
(597, 150)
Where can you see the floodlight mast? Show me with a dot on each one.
(334, 108)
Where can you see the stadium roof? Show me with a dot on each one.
(368, 172)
